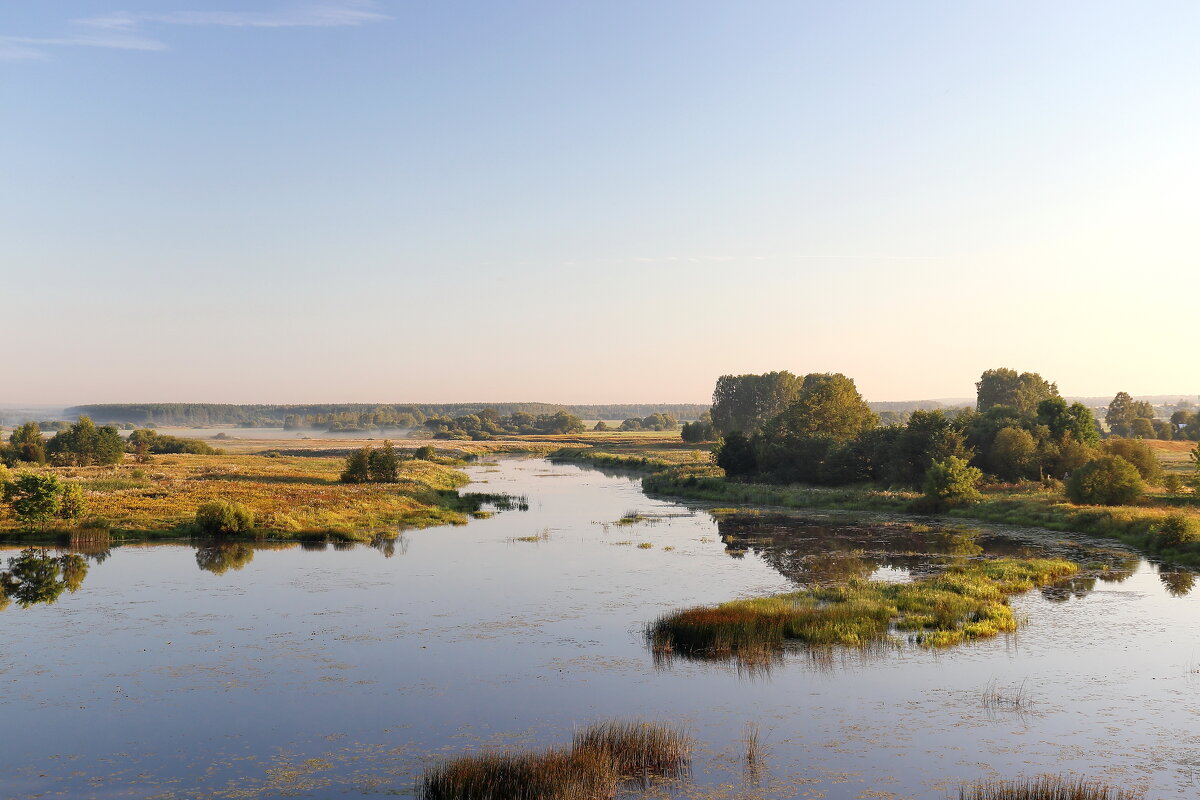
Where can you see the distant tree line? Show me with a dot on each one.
(354, 416)
(488, 424)
(817, 429)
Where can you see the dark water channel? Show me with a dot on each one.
(280, 671)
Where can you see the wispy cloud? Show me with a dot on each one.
(123, 30)
(322, 15)
(28, 48)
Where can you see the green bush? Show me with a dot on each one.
(224, 517)
(1174, 531)
(1106, 481)
(34, 499)
(72, 504)
(1138, 453)
(949, 483)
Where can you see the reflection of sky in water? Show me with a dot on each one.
(318, 672)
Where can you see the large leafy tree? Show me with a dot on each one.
(828, 405)
(383, 465)
(358, 466)
(1120, 414)
(34, 499)
(745, 402)
(1074, 421)
(27, 443)
(928, 437)
(1006, 387)
(1014, 455)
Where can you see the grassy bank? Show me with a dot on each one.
(967, 601)
(291, 497)
(1165, 525)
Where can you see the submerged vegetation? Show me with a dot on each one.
(966, 601)
(601, 756)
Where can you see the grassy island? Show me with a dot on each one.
(967, 601)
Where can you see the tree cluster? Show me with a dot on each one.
(828, 435)
(146, 441)
(701, 430)
(653, 422)
(368, 465)
(488, 424)
(1136, 418)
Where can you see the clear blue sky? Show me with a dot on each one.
(276, 201)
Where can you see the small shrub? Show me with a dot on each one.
(221, 516)
(1106, 481)
(71, 505)
(1174, 531)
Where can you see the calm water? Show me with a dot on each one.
(318, 674)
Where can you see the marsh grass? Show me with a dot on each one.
(753, 750)
(600, 758)
(291, 497)
(995, 697)
(552, 775)
(541, 536)
(967, 601)
(637, 749)
(1045, 787)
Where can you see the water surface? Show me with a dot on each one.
(299, 672)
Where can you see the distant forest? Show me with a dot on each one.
(353, 416)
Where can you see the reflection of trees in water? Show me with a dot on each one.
(1071, 587)
(35, 576)
(821, 553)
(388, 546)
(220, 557)
(1177, 584)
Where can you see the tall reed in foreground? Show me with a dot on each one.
(552, 775)
(601, 757)
(1045, 787)
(636, 748)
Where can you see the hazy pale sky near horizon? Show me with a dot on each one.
(276, 201)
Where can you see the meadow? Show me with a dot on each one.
(290, 496)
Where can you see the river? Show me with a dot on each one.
(286, 671)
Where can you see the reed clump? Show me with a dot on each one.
(636, 749)
(601, 756)
(552, 775)
(1045, 787)
(967, 601)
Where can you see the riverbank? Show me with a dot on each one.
(1168, 530)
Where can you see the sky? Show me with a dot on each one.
(596, 201)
